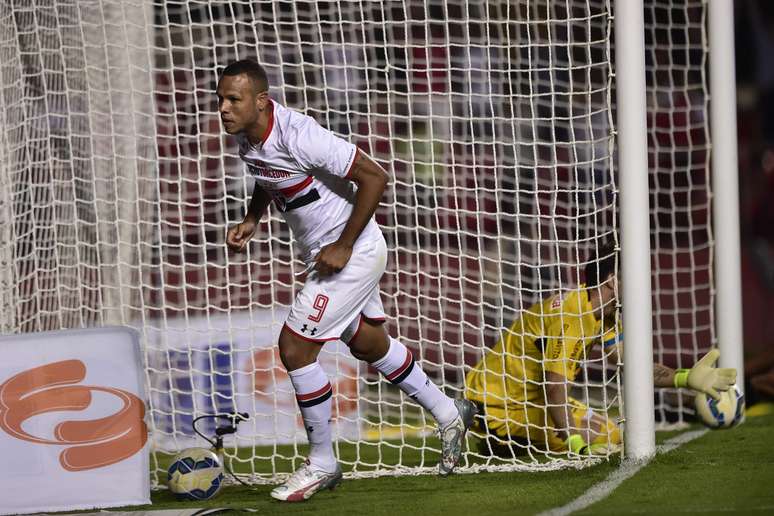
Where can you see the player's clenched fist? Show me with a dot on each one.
(238, 236)
(332, 259)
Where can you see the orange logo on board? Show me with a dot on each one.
(52, 388)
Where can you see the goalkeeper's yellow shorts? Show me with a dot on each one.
(531, 425)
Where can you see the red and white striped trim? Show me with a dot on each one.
(352, 165)
(402, 369)
(294, 189)
(316, 394)
(270, 125)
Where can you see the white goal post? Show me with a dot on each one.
(503, 127)
(640, 439)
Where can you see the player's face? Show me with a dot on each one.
(609, 291)
(238, 103)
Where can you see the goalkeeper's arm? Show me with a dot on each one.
(702, 377)
(557, 404)
(560, 412)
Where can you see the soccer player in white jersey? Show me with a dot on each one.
(327, 191)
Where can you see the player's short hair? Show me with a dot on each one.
(252, 70)
(601, 264)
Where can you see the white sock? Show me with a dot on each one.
(313, 394)
(399, 368)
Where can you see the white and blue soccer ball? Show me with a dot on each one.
(723, 413)
(195, 474)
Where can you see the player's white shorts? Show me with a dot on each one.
(330, 308)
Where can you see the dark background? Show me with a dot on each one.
(755, 119)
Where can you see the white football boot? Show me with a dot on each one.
(453, 436)
(305, 482)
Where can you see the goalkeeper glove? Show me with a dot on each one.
(578, 446)
(702, 377)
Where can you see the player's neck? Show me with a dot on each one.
(255, 133)
(258, 133)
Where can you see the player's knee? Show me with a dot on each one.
(363, 352)
(613, 433)
(296, 353)
(608, 433)
(360, 355)
(370, 343)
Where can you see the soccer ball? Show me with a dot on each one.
(195, 474)
(723, 413)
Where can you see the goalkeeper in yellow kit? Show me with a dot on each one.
(521, 385)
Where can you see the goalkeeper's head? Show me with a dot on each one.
(601, 274)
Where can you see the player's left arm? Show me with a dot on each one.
(371, 180)
(663, 376)
(702, 377)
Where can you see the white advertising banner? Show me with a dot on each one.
(72, 433)
(230, 363)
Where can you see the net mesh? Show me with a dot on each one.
(676, 49)
(495, 122)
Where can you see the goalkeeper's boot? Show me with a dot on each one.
(305, 482)
(453, 436)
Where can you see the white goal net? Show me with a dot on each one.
(676, 53)
(495, 121)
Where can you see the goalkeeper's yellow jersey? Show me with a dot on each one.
(553, 335)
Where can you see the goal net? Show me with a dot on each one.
(676, 53)
(495, 121)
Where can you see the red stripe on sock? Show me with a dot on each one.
(399, 371)
(315, 394)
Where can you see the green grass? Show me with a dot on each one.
(722, 471)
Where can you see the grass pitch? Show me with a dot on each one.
(724, 471)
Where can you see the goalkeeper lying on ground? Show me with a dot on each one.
(521, 385)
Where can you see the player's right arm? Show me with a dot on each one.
(578, 440)
(563, 349)
(239, 235)
(558, 405)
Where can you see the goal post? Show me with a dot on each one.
(725, 178)
(640, 439)
(516, 146)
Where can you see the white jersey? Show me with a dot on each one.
(305, 169)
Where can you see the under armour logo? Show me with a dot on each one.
(310, 429)
(305, 328)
